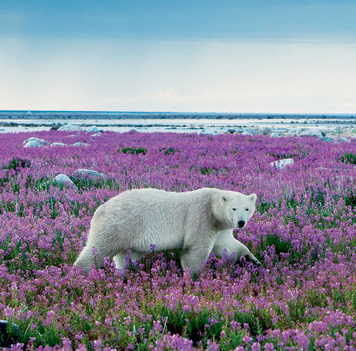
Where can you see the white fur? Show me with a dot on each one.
(197, 221)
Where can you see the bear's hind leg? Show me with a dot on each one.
(87, 258)
(120, 258)
(93, 254)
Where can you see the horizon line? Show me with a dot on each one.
(190, 112)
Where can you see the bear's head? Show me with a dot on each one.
(237, 209)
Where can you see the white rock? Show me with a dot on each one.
(250, 131)
(35, 142)
(96, 134)
(281, 164)
(338, 129)
(58, 144)
(89, 172)
(63, 179)
(345, 140)
(265, 131)
(311, 132)
(239, 130)
(38, 140)
(92, 129)
(80, 144)
(274, 135)
(70, 128)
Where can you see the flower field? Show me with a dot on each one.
(303, 297)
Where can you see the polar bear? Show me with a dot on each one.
(199, 222)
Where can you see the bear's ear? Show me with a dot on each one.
(253, 197)
(224, 198)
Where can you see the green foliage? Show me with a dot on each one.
(354, 300)
(17, 163)
(169, 151)
(10, 336)
(349, 158)
(206, 171)
(133, 151)
(190, 324)
(259, 320)
(350, 200)
(279, 245)
(94, 182)
(264, 207)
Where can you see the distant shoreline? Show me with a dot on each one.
(118, 125)
(72, 115)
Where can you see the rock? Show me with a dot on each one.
(89, 173)
(80, 144)
(58, 144)
(312, 132)
(42, 141)
(96, 134)
(274, 135)
(92, 129)
(5, 339)
(345, 140)
(326, 138)
(35, 142)
(338, 130)
(250, 131)
(70, 128)
(63, 179)
(265, 131)
(281, 164)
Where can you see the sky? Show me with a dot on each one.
(256, 56)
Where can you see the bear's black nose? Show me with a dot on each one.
(241, 223)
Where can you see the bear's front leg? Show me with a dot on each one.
(194, 258)
(226, 241)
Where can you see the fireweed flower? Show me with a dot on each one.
(303, 231)
(8, 311)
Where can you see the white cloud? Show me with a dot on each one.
(220, 76)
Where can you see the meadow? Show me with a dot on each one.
(303, 297)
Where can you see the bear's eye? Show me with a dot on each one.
(234, 209)
(247, 209)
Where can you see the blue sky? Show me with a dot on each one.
(165, 55)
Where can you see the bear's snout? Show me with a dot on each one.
(241, 224)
